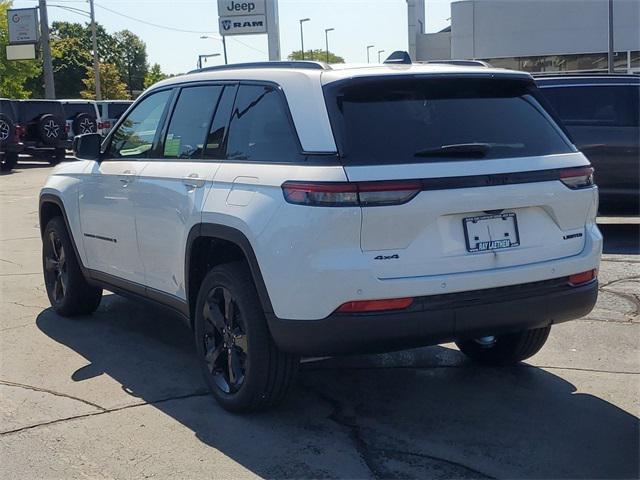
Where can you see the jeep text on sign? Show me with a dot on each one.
(230, 8)
(243, 25)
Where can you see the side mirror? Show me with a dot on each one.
(87, 146)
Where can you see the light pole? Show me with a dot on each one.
(369, 47)
(224, 45)
(302, 20)
(610, 55)
(47, 66)
(326, 40)
(379, 52)
(200, 57)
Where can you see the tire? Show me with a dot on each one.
(84, 123)
(9, 161)
(51, 129)
(68, 291)
(7, 129)
(229, 318)
(506, 349)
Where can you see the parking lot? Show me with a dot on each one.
(119, 394)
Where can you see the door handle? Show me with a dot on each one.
(193, 181)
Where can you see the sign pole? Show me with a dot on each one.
(273, 30)
(49, 86)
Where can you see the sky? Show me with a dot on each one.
(175, 42)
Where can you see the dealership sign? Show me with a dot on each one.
(237, 17)
(245, 25)
(23, 25)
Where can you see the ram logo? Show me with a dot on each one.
(387, 257)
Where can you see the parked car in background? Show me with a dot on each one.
(600, 113)
(82, 116)
(42, 129)
(10, 145)
(110, 113)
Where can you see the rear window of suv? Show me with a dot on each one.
(73, 109)
(396, 120)
(28, 110)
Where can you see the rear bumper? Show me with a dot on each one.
(438, 318)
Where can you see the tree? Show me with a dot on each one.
(111, 86)
(14, 74)
(70, 62)
(319, 55)
(132, 61)
(154, 75)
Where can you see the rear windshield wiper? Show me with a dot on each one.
(475, 150)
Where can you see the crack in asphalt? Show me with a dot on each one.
(434, 367)
(51, 392)
(26, 306)
(18, 274)
(369, 454)
(104, 411)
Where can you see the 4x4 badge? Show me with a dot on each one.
(52, 129)
(395, 256)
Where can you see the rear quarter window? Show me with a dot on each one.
(595, 105)
(389, 120)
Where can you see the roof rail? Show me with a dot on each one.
(399, 57)
(466, 63)
(302, 64)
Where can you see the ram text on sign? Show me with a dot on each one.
(23, 25)
(245, 25)
(230, 8)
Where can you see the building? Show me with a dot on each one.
(533, 35)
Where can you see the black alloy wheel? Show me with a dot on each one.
(224, 340)
(55, 268)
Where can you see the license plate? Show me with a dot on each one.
(491, 232)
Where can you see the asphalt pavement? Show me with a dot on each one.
(118, 394)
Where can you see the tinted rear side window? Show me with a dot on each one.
(260, 129)
(190, 122)
(28, 111)
(600, 105)
(7, 108)
(73, 109)
(116, 109)
(391, 120)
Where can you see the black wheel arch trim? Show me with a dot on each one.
(233, 235)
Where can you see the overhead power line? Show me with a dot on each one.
(174, 29)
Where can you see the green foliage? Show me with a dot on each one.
(70, 62)
(111, 86)
(14, 74)
(132, 60)
(154, 75)
(319, 55)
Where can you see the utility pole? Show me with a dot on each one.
(611, 52)
(49, 86)
(96, 62)
(273, 30)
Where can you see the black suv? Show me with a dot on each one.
(44, 132)
(600, 113)
(10, 146)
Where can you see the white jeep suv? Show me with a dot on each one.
(293, 209)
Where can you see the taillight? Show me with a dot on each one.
(579, 177)
(19, 132)
(375, 305)
(349, 194)
(581, 278)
